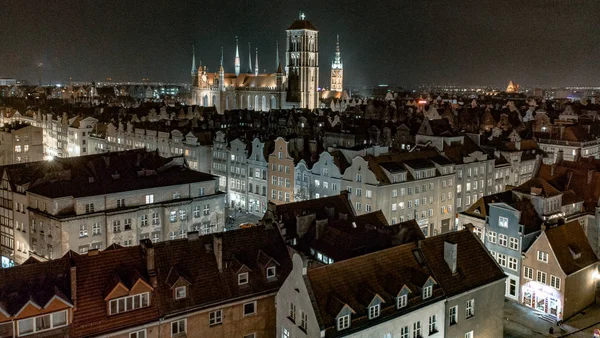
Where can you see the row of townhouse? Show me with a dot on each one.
(217, 285)
(78, 136)
(538, 236)
(76, 204)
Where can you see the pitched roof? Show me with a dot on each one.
(475, 266)
(538, 187)
(571, 247)
(255, 248)
(345, 283)
(94, 274)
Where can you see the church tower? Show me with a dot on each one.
(337, 70)
(302, 60)
(237, 57)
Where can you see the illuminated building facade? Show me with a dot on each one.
(296, 87)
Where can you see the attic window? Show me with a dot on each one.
(402, 301)
(271, 272)
(180, 292)
(129, 303)
(427, 291)
(374, 311)
(243, 278)
(343, 322)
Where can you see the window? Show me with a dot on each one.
(404, 332)
(470, 308)
(129, 303)
(527, 272)
(182, 215)
(41, 323)
(358, 178)
(427, 291)
(201, 191)
(149, 199)
(433, 324)
(178, 327)
(402, 300)
(501, 258)
(180, 292)
(469, 334)
(374, 311)
(417, 329)
(343, 322)
(144, 220)
(358, 192)
(173, 216)
(83, 232)
(542, 256)
(120, 203)
(155, 220)
(512, 263)
(271, 272)
(358, 206)
(555, 282)
(250, 335)
(369, 194)
(117, 226)
(492, 236)
(502, 240)
(243, 278)
(453, 315)
(127, 223)
(394, 193)
(89, 207)
(285, 333)
(249, 309)
(138, 334)
(293, 312)
(206, 210)
(513, 243)
(541, 277)
(303, 321)
(503, 222)
(215, 317)
(368, 208)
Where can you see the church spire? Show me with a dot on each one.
(338, 56)
(249, 59)
(277, 53)
(221, 68)
(256, 63)
(237, 57)
(194, 69)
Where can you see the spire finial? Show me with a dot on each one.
(302, 16)
(194, 69)
(221, 55)
(237, 57)
(276, 53)
(249, 59)
(256, 63)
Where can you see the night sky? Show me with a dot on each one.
(533, 42)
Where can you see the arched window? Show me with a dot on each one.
(227, 103)
(273, 102)
(264, 103)
(214, 100)
(205, 101)
(256, 103)
(249, 102)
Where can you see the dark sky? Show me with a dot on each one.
(404, 42)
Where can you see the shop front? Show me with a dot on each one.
(542, 298)
(7, 262)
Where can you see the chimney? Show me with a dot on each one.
(552, 169)
(218, 249)
(148, 250)
(73, 280)
(450, 255)
(193, 235)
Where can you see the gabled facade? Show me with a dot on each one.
(258, 183)
(282, 173)
(559, 269)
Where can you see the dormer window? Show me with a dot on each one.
(374, 311)
(180, 292)
(271, 272)
(402, 301)
(129, 303)
(243, 278)
(343, 322)
(427, 291)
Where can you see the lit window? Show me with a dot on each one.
(541, 277)
(503, 222)
(149, 199)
